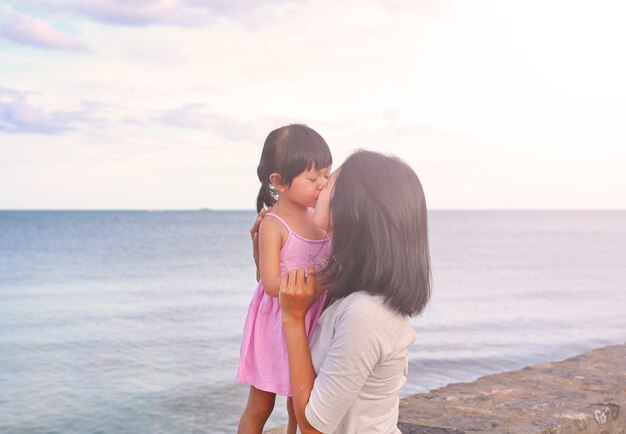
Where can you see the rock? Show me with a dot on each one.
(583, 395)
(422, 429)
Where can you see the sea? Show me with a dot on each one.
(131, 321)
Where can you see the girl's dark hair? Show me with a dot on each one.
(289, 151)
(380, 233)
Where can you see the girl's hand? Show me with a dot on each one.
(254, 234)
(297, 293)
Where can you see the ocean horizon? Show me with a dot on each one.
(130, 320)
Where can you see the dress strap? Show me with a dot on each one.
(280, 220)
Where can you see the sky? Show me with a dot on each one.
(165, 104)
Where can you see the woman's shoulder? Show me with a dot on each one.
(369, 309)
(368, 316)
(363, 299)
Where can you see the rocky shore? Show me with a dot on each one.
(585, 394)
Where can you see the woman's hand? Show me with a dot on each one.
(254, 234)
(297, 293)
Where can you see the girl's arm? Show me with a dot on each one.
(270, 243)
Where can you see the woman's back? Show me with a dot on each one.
(360, 356)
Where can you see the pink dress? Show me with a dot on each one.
(263, 361)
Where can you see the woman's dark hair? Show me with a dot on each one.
(289, 151)
(380, 233)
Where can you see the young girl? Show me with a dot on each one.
(294, 167)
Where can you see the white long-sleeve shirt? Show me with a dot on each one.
(360, 356)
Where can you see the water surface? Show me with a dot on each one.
(119, 321)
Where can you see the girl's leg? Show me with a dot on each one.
(292, 424)
(258, 409)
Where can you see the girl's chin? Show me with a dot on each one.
(310, 207)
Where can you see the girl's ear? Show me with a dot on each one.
(277, 182)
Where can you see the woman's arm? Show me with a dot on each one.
(254, 234)
(361, 330)
(296, 296)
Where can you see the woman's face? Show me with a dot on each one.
(321, 215)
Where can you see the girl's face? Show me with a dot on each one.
(307, 186)
(321, 216)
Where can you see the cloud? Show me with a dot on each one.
(17, 115)
(234, 7)
(187, 116)
(429, 7)
(26, 30)
(143, 12)
(189, 13)
(198, 116)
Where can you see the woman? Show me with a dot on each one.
(378, 276)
